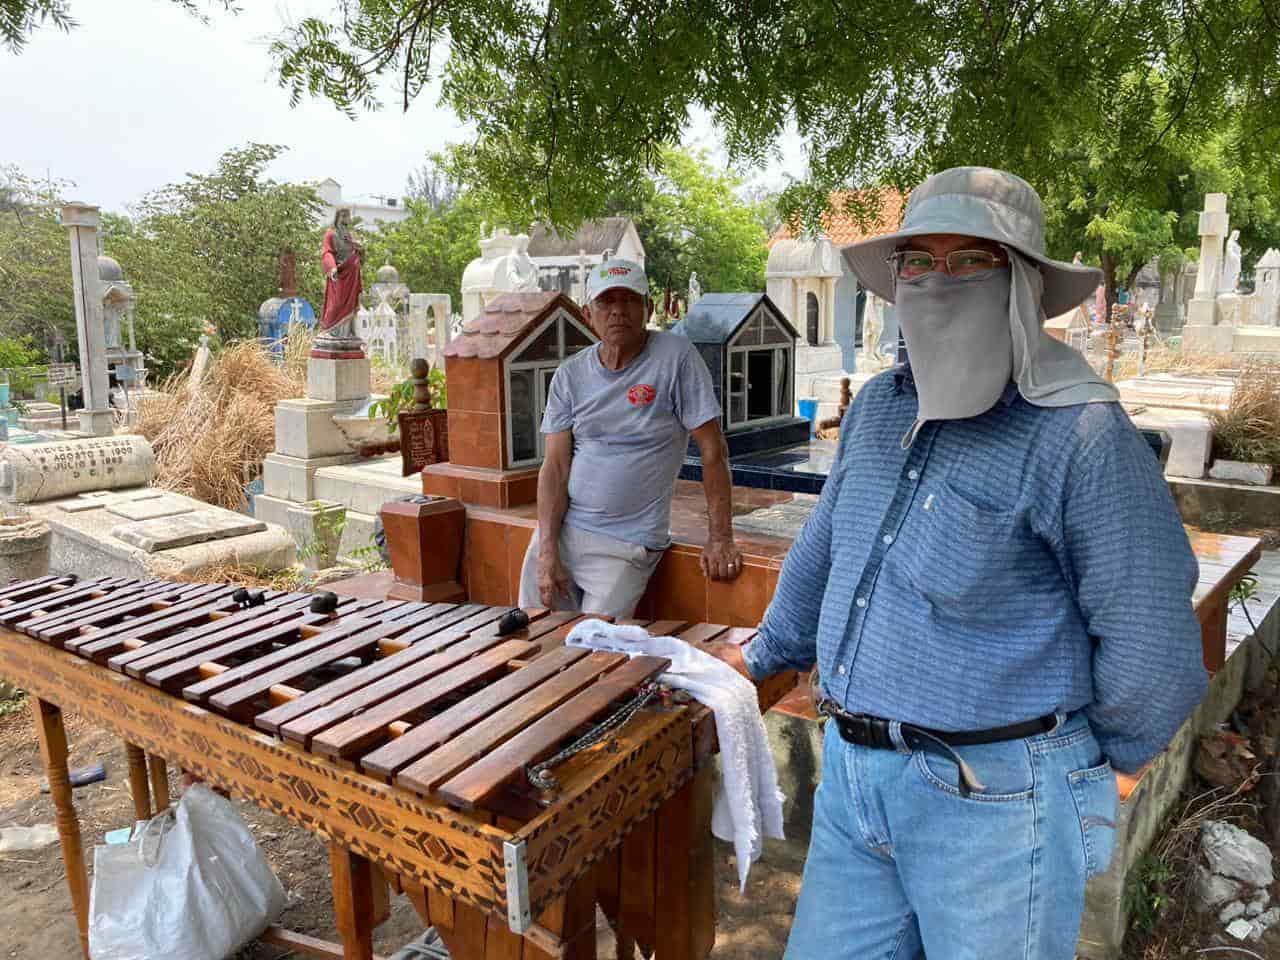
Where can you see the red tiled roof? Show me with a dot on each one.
(843, 229)
(504, 320)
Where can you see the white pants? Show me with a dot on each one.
(606, 576)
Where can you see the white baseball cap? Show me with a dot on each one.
(616, 273)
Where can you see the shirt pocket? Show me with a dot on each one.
(963, 552)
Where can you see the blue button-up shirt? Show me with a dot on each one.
(1001, 568)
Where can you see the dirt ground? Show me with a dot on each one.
(36, 922)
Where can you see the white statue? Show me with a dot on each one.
(1231, 264)
(872, 330)
(695, 289)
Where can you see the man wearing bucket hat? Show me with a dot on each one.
(618, 420)
(965, 587)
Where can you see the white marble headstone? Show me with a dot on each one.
(47, 471)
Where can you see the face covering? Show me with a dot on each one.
(959, 342)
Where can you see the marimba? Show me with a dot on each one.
(407, 734)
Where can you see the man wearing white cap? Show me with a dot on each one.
(618, 420)
(966, 588)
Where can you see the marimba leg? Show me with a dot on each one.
(138, 787)
(353, 901)
(159, 782)
(685, 905)
(53, 750)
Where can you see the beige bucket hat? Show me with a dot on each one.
(976, 202)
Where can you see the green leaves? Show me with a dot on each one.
(35, 260)
(574, 100)
(690, 219)
(432, 246)
(206, 251)
(19, 18)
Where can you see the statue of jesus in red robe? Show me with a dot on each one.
(341, 261)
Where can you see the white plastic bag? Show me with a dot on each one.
(192, 884)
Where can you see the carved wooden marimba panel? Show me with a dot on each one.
(401, 731)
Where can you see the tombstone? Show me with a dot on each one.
(277, 314)
(118, 302)
(503, 266)
(45, 471)
(750, 349)
(1203, 333)
(82, 221)
(1267, 285)
(382, 341)
(1230, 265)
(387, 288)
(105, 521)
(1169, 313)
(430, 325)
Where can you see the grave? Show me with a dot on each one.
(1178, 391)
(750, 348)
(277, 314)
(105, 521)
(1221, 320)
(82, 221)
(801, 277)
(503, 266)
(499, 371)
(317, 480)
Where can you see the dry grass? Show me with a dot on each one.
(210, 440)
(383, 376)
(1249, 429)
(295, 355)
(1177, 852)
(246, 576)
(1163, 359)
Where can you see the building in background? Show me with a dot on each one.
(563, 262)
(370, 210)
(808, 279)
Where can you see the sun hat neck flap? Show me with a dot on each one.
(976, 202)
(1049, 373)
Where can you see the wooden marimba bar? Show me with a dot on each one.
(403, 733)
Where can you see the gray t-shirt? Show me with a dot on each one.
(630, 432)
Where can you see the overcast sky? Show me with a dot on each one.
(141, 93)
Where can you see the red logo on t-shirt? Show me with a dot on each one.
(641, 395)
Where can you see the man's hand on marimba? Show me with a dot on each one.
(730, 653)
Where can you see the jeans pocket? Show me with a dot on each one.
(1097, 801)
(1004, 769)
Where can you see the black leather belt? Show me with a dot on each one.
(864, 730)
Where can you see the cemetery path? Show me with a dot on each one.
(35, 909)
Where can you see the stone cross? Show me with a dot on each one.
(1213, 230)
(81, 221)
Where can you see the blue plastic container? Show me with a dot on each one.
(809, 410)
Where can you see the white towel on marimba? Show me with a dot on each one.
(749, 804)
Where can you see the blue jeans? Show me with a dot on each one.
(901, 865)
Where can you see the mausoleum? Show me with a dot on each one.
(564, 260)
(750, 349)
(502, 267)
(499, 373)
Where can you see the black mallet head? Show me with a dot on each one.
(512, 621)
(324, 602)
(241, 596)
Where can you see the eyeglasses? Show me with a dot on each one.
(959, 263)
